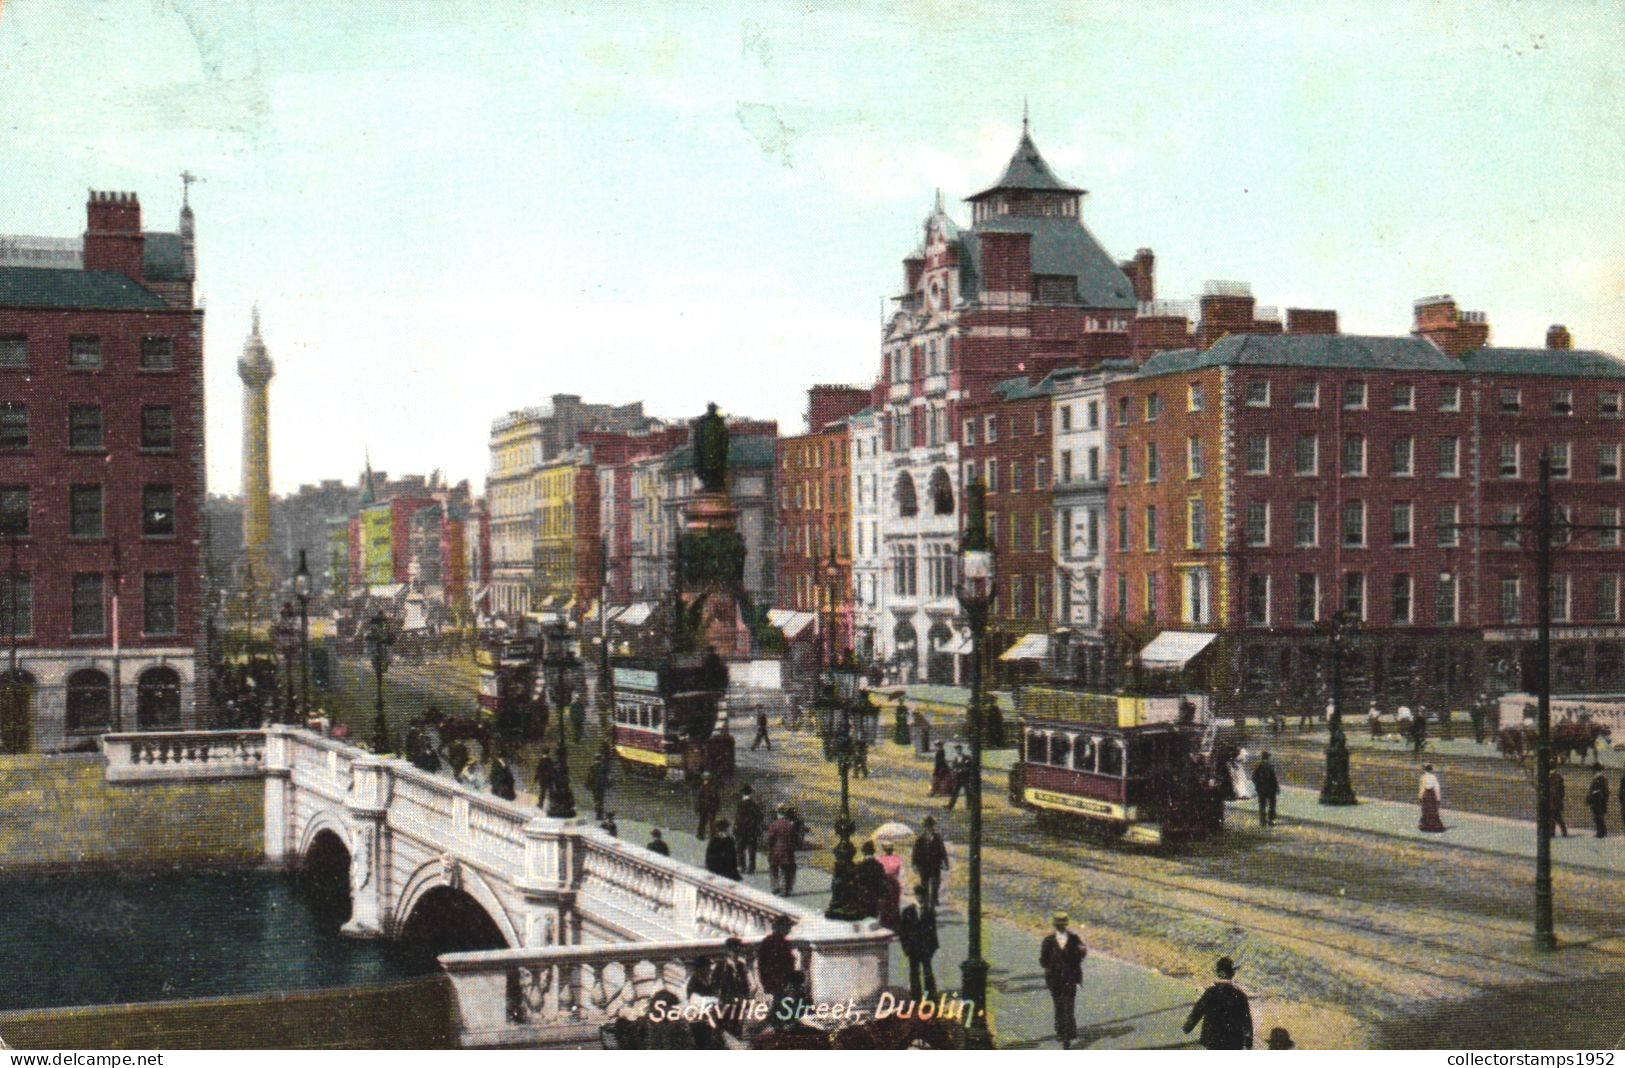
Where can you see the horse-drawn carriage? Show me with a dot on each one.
(1570, 738)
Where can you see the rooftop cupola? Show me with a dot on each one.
(1027, 187)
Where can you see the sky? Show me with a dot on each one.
(448, 210)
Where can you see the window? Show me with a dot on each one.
(1038, 423)
(1122, 465)
(1511, 401)
(1306, 524)
(1258, 393)
(90, 700)
(1511, 599)
(1151, 528)
(13, 426)
(16, 604)
(1151, 597)
(1404, 398)
(1308, 454)
(1404, 457)
(1562, 402)
(1093, 531)
(1447, 532)
(1354, 524)
(158, 603)
(992, 476)
(13, 350)
(1608, 519)
(1449, 457)
(157, 354)
(1195, 397)
(1354, 594)
(1016, 484)
(1193, 457)
(1122, 411)
(1197, 597)
(1509, 459)
(904, 577)
(1306, 395)
(88, 619)
(1560, 459)
(158, 511)
(1508, 523)
(1607, 403)
(1608, 462)
(1402, 599)
(1258, 600)
(85, 426)
(1258, 522)
(1153, 462)
(1444, 599)
(1092, 415)
(1402, 514)
(1094, 463)
(1308, 599)
(1608, 598)
(990, 428)
(1122, 530)
(1065, 417)
(158, 698)
(1195, 524)
(84, 350)
(1122, 596)
(907, 503)
(1561, 602)
(1258, 455)
(1354, 455)
(1153, 407)
(158, 428)
(1064, 475)
(1450, 398)
(970, 432)
(85, 511)
(1040, 475)
(1353, 395)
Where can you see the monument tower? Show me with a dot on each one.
(256, 371)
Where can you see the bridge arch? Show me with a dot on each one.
(329, 822)
(445, 874)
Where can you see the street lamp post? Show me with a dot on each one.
(839, 706)
(1337, 789)
(561, 802)
(301, 590)
(976, 596)
(285, 633)
(379, 641)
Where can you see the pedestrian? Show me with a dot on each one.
(891, 891)
(502, 781)
(1280, 1038)
(657, 844)
(1268, 787)
(929, 859)
(1429, 794)
(733, 983)
(958, 776)
(1480, 713)
(598, 784)
(748, 820)
(544, 778)
(1419, 731)
(761, 731)
(922, 730)
(1559, 795)
(707, 803)
(1404, 723)
(1621, 796)
(1278, 718)
(1373, 719)
(860, 757)
(870, 879)
(917, 931)
(776, 962)
(457, 757)
(941, 774)
(1223, 1012)
(781, 852)
(1061, 956)
(1597, 798)
(701, 994)
(609, 826)
(722, 853)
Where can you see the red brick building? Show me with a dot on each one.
(101, 478)
(613, 456)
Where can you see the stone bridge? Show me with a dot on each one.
(591, 923)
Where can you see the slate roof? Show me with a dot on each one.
(1027, 171)
(1567, 363)
(43, 287)
(1024, 388)
(747, 452)
(1060, 245)
(163, 258)
(1347, 351)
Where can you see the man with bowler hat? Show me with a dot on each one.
(1223, 1012)
(1061, 956)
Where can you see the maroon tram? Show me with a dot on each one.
(1124, 766)
(669, 718)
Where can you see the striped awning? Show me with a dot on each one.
(1174, 648)
(1030, 647)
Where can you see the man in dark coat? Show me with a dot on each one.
(776, 959)
(1223, 1011)
(1560, 793)
(1268, 787)
(707, 803)
(781, 852)
(1597, 799)
(761, 731)
(657, 844)
(748, 819)
(930, 859)
(722, 853)
(544, 778)
(871, 880)
(961, 776)
(502, 783)
(598, 784)
(1061, 956)
(917, 931)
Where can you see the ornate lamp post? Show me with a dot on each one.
(379, 641)
(285, 633)
(561, 802)
(301, 590)
(1337, 788)
(976, 597)
(846, 720)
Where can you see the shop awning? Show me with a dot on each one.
(1174, 648)
(956, 645)
(791, 622)
(1030, 647)
(636, 615)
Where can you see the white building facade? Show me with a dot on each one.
(868, 566)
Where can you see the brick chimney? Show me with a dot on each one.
(1451, 330)
(1227, 308)
(1311, 321)
(913, 267)
(1007, 276)
(1141, 271)
(113, 239)
(1557, 337)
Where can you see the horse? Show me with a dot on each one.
(1515, 742)
(1577, 738)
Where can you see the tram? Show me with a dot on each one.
(1132, 767)
(670, 717)
(510, 680)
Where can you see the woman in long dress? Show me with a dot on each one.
(1239, 779)
(941, 775)
(1428, 793)
(892, 892)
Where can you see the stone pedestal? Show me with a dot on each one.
(712, 520)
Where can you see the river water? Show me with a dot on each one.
(103, 938)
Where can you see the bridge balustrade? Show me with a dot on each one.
(183, 756)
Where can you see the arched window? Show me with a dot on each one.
(907, 641)
(90, 700)
(942, 493)
(16, 712)
(158, 699)
(939, 665)
(907, 503)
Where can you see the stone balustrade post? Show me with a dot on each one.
(367, 807)
(278, 796)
